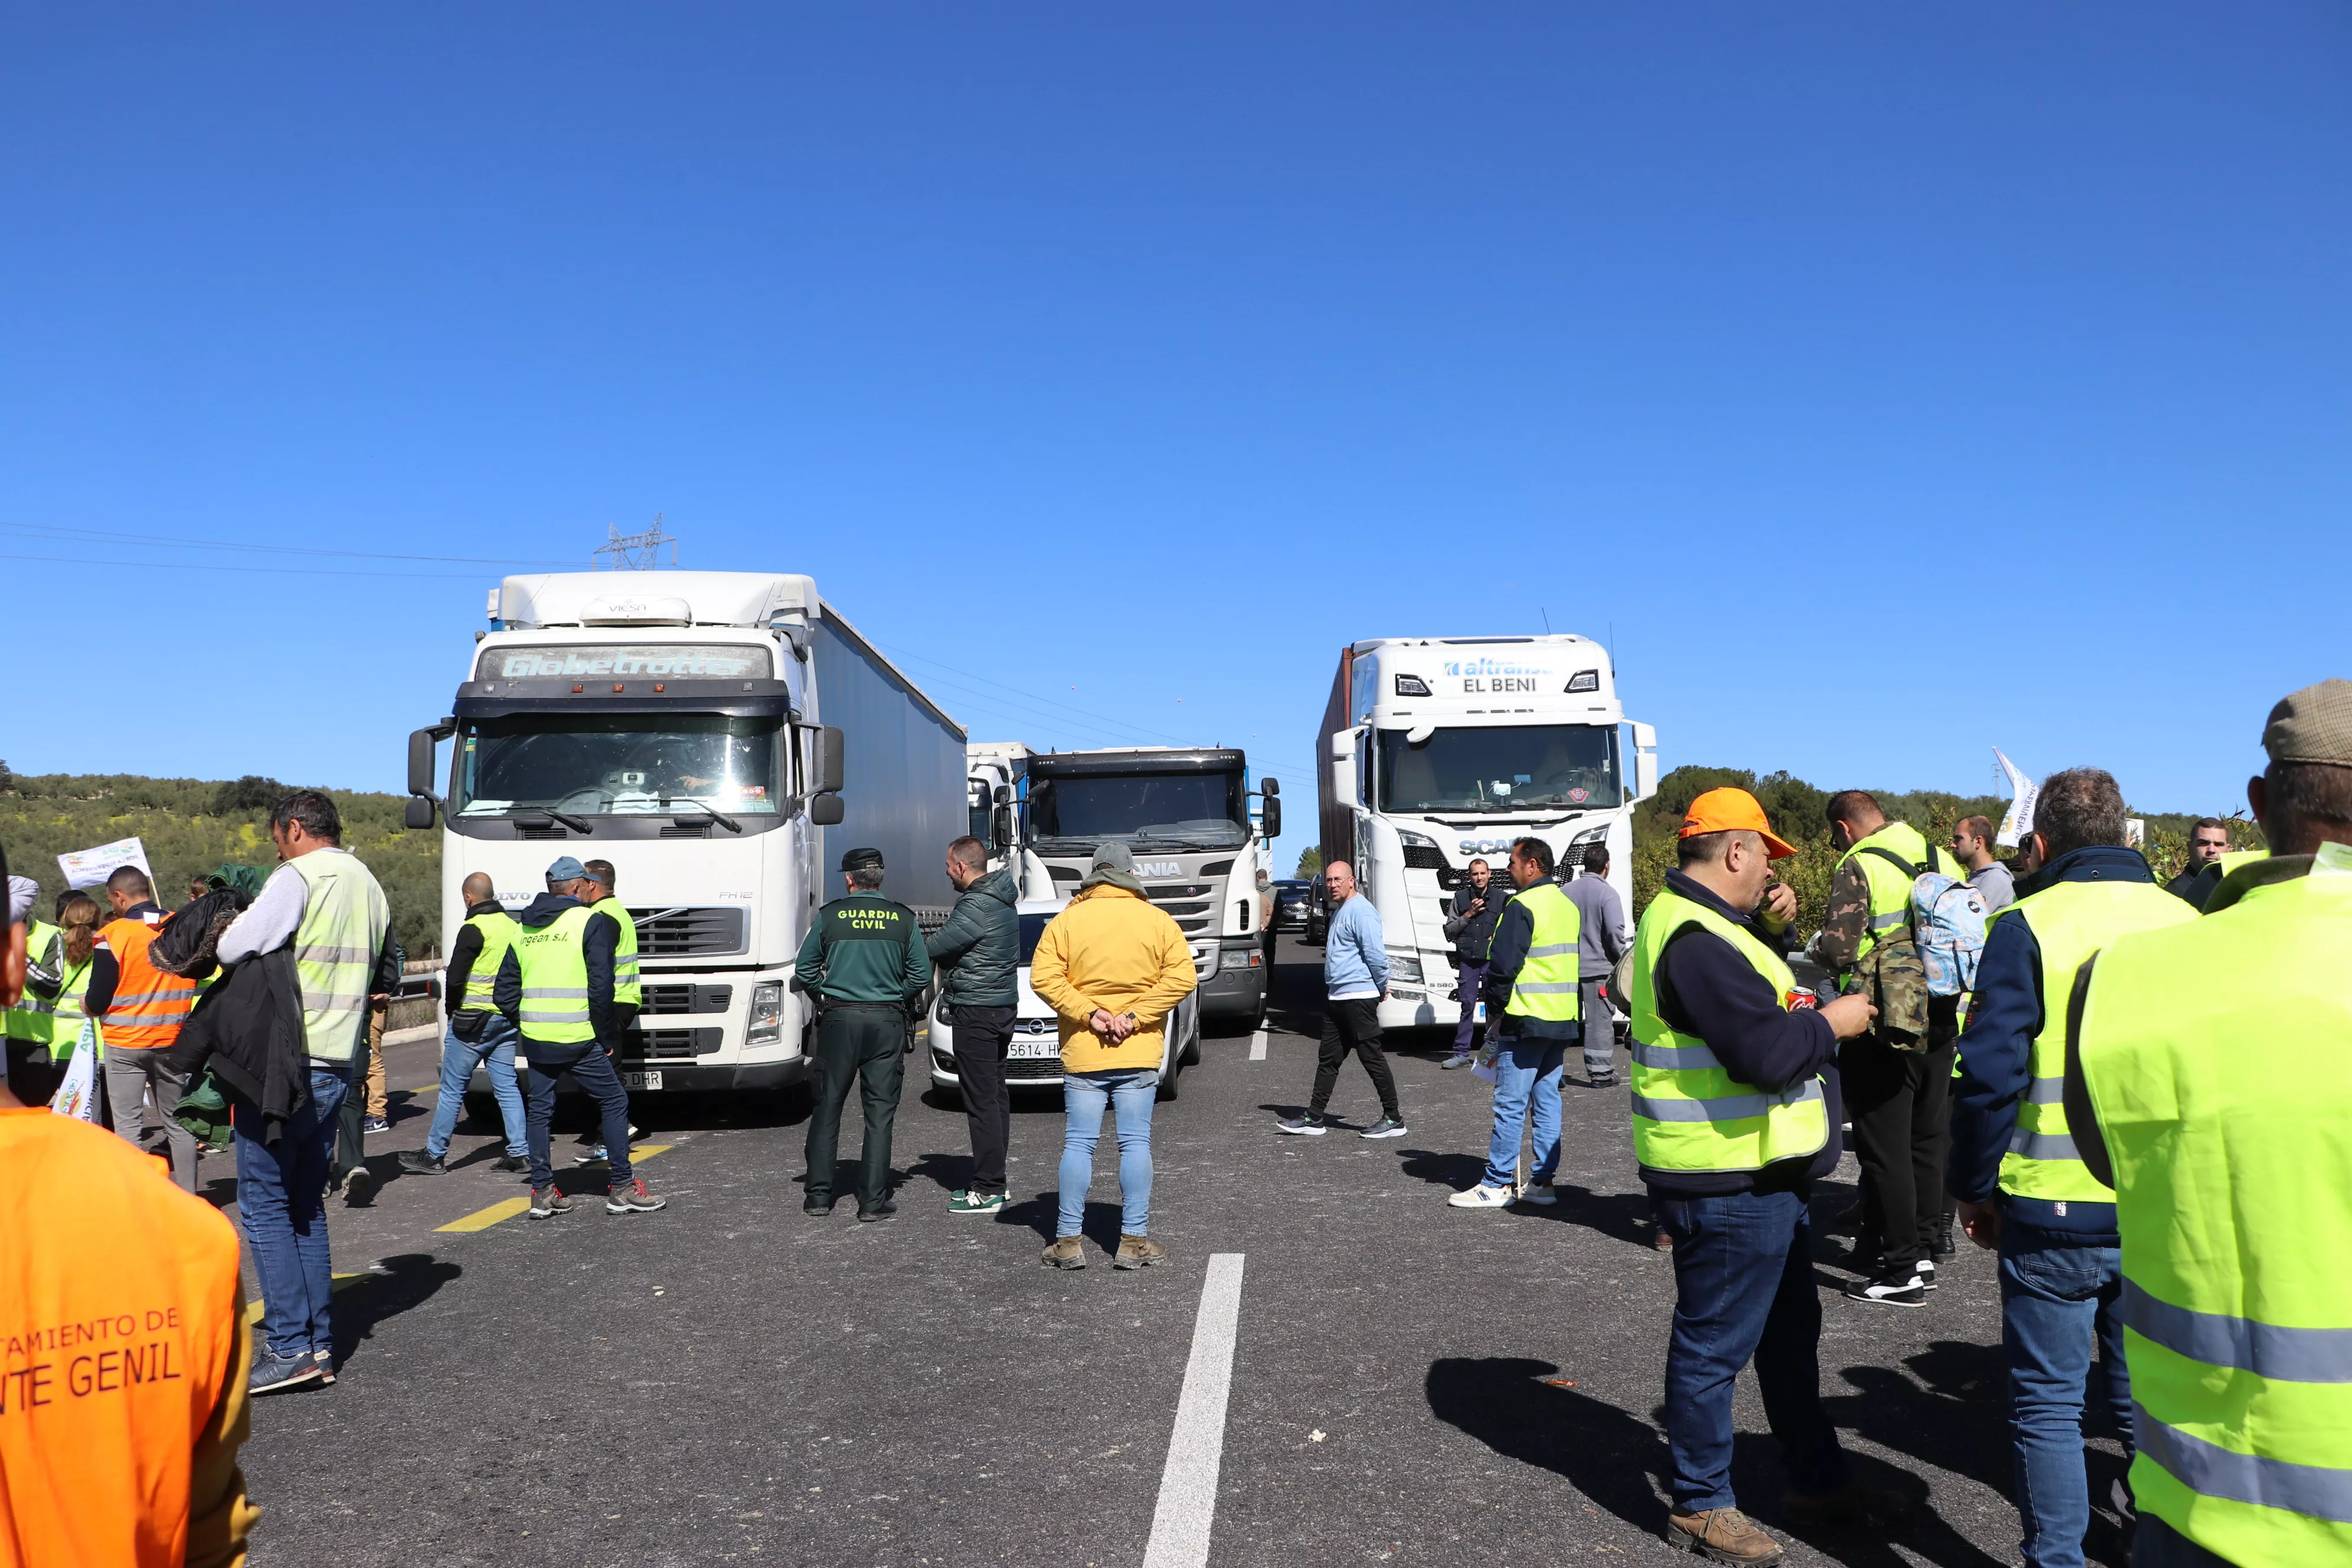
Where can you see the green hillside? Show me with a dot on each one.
(1796, 810)
(191, 825)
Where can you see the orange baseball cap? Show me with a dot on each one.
(1723, 810)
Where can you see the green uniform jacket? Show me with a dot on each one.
(863, 948)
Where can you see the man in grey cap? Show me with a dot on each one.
(866, 964)
(555, 985)
(2204, 1082)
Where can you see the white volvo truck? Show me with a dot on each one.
(721, 738)
(1440, 751)
(1185, 815)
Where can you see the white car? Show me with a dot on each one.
(1034, 1059)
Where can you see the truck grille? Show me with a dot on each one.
(1423, 858)
(667, 999)
(688, 933)
(666, 1044)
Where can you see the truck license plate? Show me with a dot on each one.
(641, 1080)
(1033, 1050)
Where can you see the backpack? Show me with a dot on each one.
(1947, 924)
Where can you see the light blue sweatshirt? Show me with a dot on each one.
(1354, 958)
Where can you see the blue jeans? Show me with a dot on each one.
(1743, 1287)
(495, 1051)
(1527, 1078)
(593, 1070)
(1473, 976)
(1129, 1093)
(2057, 1298)
(281, 1190)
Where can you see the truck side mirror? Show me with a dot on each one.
(999, 828)
(826, 810)
(1270, 817)
(420, 763)
(1004, 795)
(824, 759)
(1270, 787)
(418, 814)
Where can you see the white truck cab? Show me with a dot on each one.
(1440, 751)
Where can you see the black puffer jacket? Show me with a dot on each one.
(982, 943)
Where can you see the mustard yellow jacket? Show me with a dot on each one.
(1112, 949)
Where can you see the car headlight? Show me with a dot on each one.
(1404, 966)
(767, 1013)
(1413, 840)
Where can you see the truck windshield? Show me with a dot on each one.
(1200, 811)
(618, 764)
(1512, 767)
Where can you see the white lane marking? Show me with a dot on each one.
(1196, 1447)
(1257, 1047)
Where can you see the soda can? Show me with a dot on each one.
(1801, 1000)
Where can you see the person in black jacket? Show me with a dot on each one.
(981, 942)
(590, 1062)
(478, 1036)
(1478, 905)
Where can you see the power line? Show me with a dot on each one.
(39, 530)
(271, 571)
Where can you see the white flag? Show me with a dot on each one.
(90, 868)
(2018, 820)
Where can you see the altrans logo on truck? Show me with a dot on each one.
(1483, 676)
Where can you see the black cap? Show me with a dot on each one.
(862, 860)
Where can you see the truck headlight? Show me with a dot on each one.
(1413, 840)
(767, 1013)
(1241, 958)
(1404, 966)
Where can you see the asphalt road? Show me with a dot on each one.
(730, 1381)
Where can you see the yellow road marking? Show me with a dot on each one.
(253, 1308)
(507, 1208)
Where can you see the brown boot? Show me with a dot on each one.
(1138, 1252)
(1066, 1253)
(1721, 1535)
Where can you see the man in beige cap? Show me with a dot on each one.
(2205, 1082)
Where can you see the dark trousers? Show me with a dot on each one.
(1901, 1105)
(981, 1037)
(865, 1045)
(593, 1071)
(1743, 1288)
(1470, 977)
(1353, 1027)
(32, 1076)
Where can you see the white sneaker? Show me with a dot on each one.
(1539, 1193)
(1482, 1198)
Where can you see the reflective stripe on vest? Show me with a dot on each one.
(627, 990)
(497, 932)
(1689, 1113)
(344, 918)
(554, 963)
(2070, 921)
(149, 1005)
(34, 1017)
(1890, 889)
(1545, 986)
(2213, 1053)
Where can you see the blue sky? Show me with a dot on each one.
(1889, 383)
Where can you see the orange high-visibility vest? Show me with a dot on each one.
(149, 1005)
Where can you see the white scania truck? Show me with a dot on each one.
(996, 780)
(1440, 751)
(1185, 815)
(720, 736)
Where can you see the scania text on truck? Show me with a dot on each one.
(719, 737)
(1185, 817)
(1440, 751)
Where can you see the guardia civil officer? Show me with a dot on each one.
(555, 985)
(2206, 1082)
(865, 962)
(2020, 1185)
(1735, 1111)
